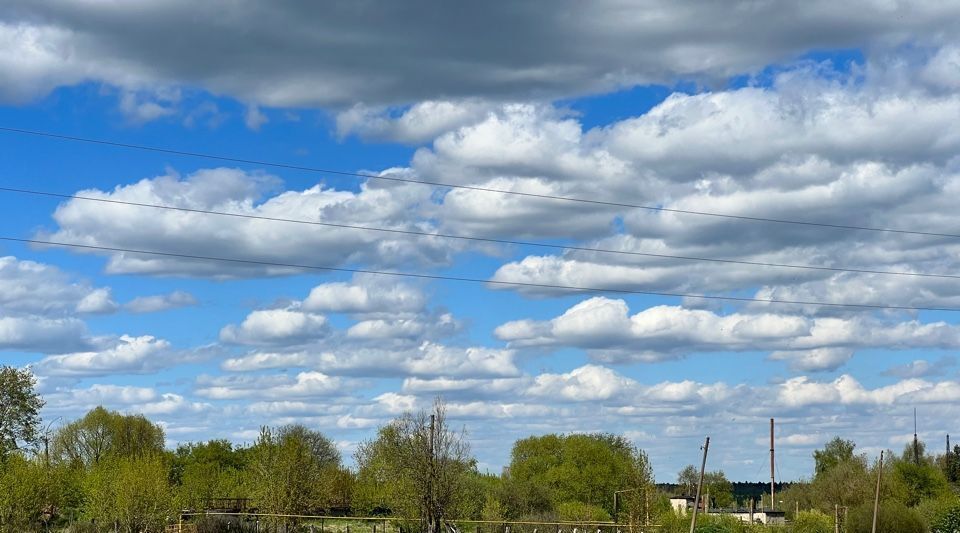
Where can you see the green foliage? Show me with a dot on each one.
(19, 409)
(553, 469)
(835, 452)
(918, 482)
(581, 512)
(103, 434)
(417, 466)
(942, 514)
(208, 470)
(719, 488)
(812, 522)
(28, 488)
(132, 492)
(950, 464)
(290, 468)
(894, 517)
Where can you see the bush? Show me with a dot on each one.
(812, 522)
(581, 512)
(942, 515)
(894, 517)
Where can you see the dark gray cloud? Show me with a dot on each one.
(302, 53)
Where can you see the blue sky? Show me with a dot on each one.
(766, 114)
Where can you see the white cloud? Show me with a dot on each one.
(29, 287)
(254, 118)
(604, 327)
(276, 326)
(365, 295)
(303, 385)
(420, 122)
(920, 368)
(97, 301)
(40, 334)
(240, 192)
(160, 302)
(125, 355)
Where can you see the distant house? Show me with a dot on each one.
(757, 516)
(683, 505)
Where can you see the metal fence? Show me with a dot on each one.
(219, 522)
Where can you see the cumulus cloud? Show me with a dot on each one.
(41, 334)
(303, 385)
(365, 295)
(125, 355)
(420, 122)
(604, 327)
(921, 368)
(29, 287)
(276, 326)
(160, 302)
(245, 193)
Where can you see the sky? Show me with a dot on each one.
(832, 114)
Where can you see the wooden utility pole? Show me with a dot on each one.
(696, 501)
(433, 466)
(773, 504)
(916, 442)
(876, 498)
(836, 518)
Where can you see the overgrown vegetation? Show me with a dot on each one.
(110, 471)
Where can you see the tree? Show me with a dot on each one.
(719, 488)
(688, 479)
(291, 470)
(950, 464)
(894, 517)
(19, 409)
(555, 469)
(102, 433)
(130, 492)
(833, 453)
(208, 470)
(419, 466)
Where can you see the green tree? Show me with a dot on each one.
(719, 488)
(102, 433)
(833, 453)
(688, 478)
(417, 467)
(554, 469)
(213, 469)
(917, 482)
(894, 517)
(19, 409)
(131, 493)
(290, 470)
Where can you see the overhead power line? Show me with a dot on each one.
(478, 239)
(398, 179)
(519, 284)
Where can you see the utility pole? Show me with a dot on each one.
(836, 518)
(696, 501)
(772, 471)
(433, 467)
(916, 443)
(876, 498)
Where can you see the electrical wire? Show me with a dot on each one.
(289, 166)
(480, 239)
(520, 284)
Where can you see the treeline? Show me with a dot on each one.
(109, 471)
